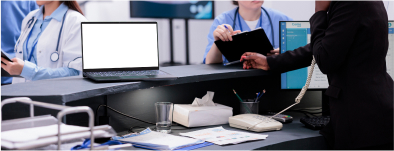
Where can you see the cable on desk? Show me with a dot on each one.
(123, 114)
(173, 124)
(154, 128)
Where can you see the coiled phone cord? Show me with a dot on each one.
(303, 90)
(299, 97)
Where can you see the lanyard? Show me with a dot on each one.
(32, 49)
(34, 45)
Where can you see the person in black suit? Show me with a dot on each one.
(349, 42)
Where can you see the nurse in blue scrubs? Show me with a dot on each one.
(247, 16)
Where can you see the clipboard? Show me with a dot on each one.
(252, 41)
(3, 72)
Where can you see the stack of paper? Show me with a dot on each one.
(220, 136)
(35, 137)
(158, 141)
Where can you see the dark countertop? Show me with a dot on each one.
(63, 90)
(292, 136)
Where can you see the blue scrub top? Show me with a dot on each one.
(12, 14)
(228, 18)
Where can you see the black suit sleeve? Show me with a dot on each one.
(331, 41)
(291, 60)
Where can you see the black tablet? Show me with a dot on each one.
(253, 41)
(3, 72)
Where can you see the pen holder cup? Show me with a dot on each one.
(249, 107)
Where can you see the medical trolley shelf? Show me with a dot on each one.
(64, 110)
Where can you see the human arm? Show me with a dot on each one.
(217, 31)
(32, 72)
(290, 60)
(331, 41)
(220, 33)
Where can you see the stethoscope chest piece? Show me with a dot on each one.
(54, 56)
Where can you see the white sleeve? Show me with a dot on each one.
(71, 49)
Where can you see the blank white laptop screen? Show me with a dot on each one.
(119, 45)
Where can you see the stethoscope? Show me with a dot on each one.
(261, 22)
(55, 55)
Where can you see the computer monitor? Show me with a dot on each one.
(294, 34)
(390, 52)
(172, 9)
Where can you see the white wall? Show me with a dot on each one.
(198, 29)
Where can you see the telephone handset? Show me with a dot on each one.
(303, 90)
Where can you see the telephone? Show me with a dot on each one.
(254, 122)
(258, 123)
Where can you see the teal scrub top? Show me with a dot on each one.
(228, 18)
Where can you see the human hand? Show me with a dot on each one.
(273, 52)
(254, 60)
(223, 34)
(13, 68)
(321, 5)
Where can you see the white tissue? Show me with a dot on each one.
(205, 101)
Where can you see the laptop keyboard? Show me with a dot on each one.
(126, 73)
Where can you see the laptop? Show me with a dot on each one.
(121, 51)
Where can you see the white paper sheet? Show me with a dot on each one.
(159, 141)
(30, 134)
(220, 136)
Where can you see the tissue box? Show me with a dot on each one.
(194, 116)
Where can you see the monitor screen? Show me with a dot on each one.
(294, 34)
(390, 52)
(119, 45)
(172, 9)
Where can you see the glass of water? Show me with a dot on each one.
(163, 117)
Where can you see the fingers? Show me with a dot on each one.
(14, 59)
(4, 66)
(226, 36)
(225, 32)
(237, 31)
(245, 54)
(217, 34)
(229, 36)
(251, 57)
(5, 60)
(274, 51)
(229, 27)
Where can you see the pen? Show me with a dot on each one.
(261, 94)
(237, 96)
(234, 62)
(241, 101)
(227, 28)
(257, 97)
